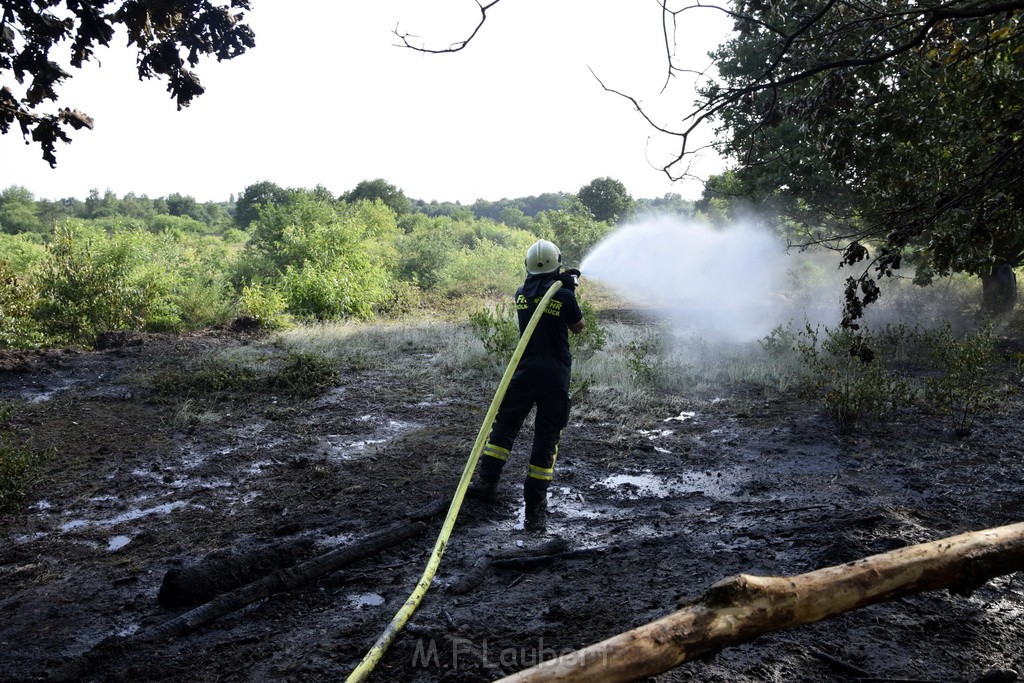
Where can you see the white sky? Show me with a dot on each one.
(327, 98)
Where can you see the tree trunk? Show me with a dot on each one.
(999, 290)
(741, 608)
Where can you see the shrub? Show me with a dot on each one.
(325, 293)
(593, 337)
(299, 374)
(964, 387)
(16, 462)
(304, 374)
(330, 260)
(206, 302)
(86, 287)
(266, 306)
(18, 328)
(22, 252)
(644, 358)
(848, 374)
(498, 329)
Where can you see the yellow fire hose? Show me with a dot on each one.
(412, 602)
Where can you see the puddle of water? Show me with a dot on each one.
(653, 434)
(366, 600)
(334, 541)
(28, 538)
(215, 484)
(118, 542)
(125, 631)
(646, 485)
(248, 431)
(257, 466)
(579, 509)
(128, 516)
(682, 417)
(42, 505)
(343, 448)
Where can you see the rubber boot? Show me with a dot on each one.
(535, 494)
(485, 488)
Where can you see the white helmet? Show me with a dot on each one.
(543, 257)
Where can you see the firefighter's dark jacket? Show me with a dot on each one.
(550, 341)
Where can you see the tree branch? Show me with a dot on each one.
(454, 47)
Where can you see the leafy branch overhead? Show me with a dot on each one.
(893, 132)
(41, 39)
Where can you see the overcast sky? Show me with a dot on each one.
(327, 98)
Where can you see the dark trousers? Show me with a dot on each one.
(545, 386)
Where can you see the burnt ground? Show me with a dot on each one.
(674, 496)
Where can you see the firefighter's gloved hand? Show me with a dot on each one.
(570, 279)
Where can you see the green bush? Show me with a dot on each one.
(497, 328)
(18, 327)
(209, 375)
(206, 302)
(848, 372)
(86, 286)
(644, 358)
(329, 260)
(304, 374)
(266, 306)
(92, 281)
(485, 268)
(22, 252)
(964, 387)
(593, 338)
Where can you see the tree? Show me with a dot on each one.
(18, 211)
(369, 190)
(669, 203)
(186, 205)
(607, 199)
(170, 35)
(893, 133)
(247, 208)
(573, 229)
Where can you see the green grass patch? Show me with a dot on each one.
(17, 461)
(298, 374)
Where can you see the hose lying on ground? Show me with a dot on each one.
(412, 602)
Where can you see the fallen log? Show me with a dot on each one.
(222, 571)
(483, 563)
(275, 582)
(288, 579)
(741, 608)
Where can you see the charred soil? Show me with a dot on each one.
(145, 505)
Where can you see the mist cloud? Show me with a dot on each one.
(726, 283)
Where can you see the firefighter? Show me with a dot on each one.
(541, 380)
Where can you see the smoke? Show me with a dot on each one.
(735, 284)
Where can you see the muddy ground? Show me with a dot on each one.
(675, 496)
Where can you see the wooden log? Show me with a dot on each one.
(277, 581)
(222, 571)
(741, 608)
(478, 572)
(287, 579)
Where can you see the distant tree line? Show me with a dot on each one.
(605, 198)
(72, 269)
